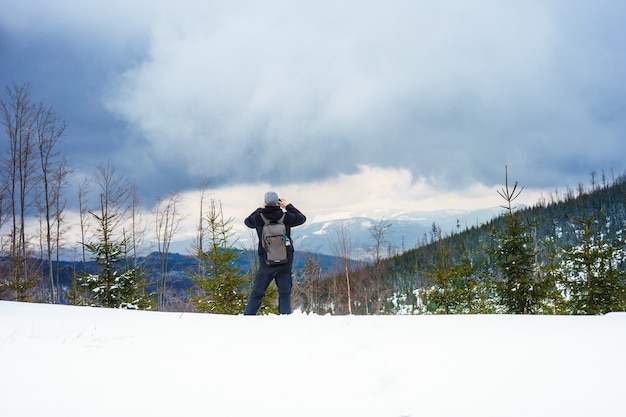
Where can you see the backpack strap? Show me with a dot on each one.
(268, 221)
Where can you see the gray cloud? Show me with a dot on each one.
(303, 91)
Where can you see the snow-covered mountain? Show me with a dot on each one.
(408, 229)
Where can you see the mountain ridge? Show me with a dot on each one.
(407, 229)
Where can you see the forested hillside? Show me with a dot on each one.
(565, 255)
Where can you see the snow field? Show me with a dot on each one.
(81, 361)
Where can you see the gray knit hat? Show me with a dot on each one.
(271, 198)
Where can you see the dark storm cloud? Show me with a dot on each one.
(252, 91)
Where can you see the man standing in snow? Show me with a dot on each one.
(273, 210)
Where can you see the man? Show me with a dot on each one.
(281, 274)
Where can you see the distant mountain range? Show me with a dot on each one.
(408, 229)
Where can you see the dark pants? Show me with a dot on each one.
(263, 278)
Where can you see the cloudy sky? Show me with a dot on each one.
(341, 106)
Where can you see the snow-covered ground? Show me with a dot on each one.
(81, 361)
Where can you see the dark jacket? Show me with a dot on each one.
(293, 218)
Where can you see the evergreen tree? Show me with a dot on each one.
(117, 283)
(457, 284)
(442, 297)
(596, 278)
(220, 285)
(552, 273)
(519, 289)
(475, 289)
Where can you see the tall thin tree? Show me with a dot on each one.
(49, 132)
(20, 174)
(167, 221)
(342, 247)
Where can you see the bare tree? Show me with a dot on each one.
(48, 133)
(201, 230)
(20, 174)
(138, 229)
(342, 247)
(75, 296)
(138, 226)
(59, 182)
(379, 233)
(168, 220)
(83, 188)
(36, 174)
(116, 195)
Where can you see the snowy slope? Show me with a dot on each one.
(80, 361)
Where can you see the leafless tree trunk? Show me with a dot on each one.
(59, 183)
(116, 193)
(77, 297)
(18, 118)
(138, 230)
(201, 231)
(48, 133)
(138, 226)
(84, 216)
(167, 222)
(379, 233)
(342, 246)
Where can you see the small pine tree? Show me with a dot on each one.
(474, 288)
(220, 285)
(519, 289)
(442, 297)
(596, 279)
(458, 287)
(554, 276)
(117, 283)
